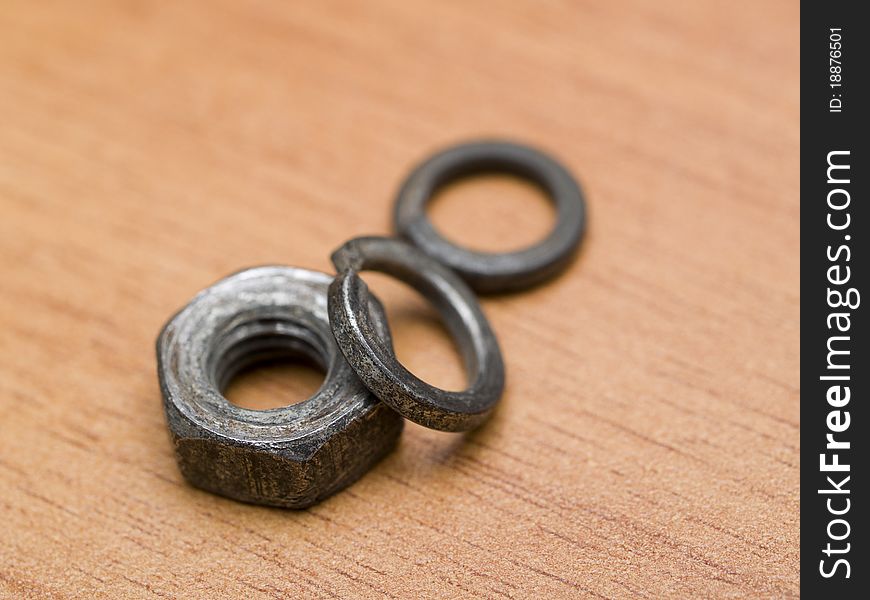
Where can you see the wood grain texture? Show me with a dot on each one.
(647, 444)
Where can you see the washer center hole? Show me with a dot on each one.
(492, 212)
(421, 340)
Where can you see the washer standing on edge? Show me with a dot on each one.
(375, 361)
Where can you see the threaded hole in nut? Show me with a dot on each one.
(265, 364)
(274, 383)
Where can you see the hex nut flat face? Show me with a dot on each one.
(490, 272)
(372, 356)
(292, 456)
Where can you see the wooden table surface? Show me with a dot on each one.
(647, 443)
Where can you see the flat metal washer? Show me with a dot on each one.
(372, 356)
(489, 272)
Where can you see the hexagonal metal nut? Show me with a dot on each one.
(292, 456)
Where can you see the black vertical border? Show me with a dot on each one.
(823, 131)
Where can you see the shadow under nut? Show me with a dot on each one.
(372, 356)
(292, 456)
(492, 272)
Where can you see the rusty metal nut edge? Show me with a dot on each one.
(292, 456)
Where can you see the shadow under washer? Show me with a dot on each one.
(292, 456)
